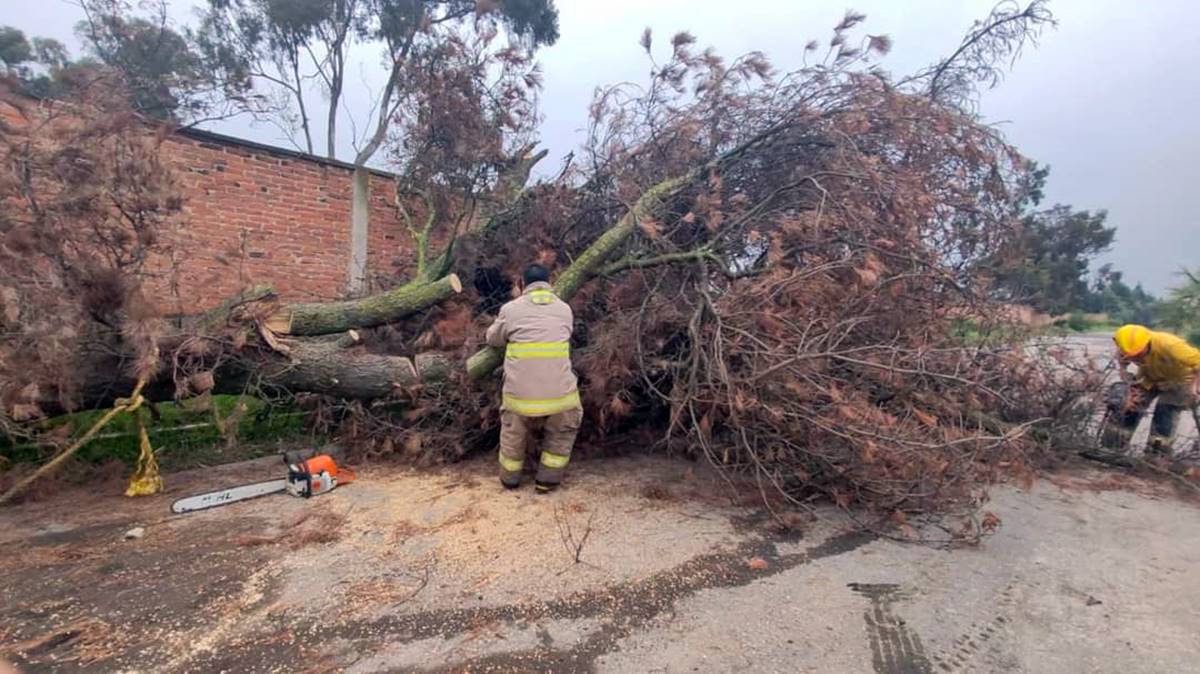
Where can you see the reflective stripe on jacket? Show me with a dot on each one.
(535, 332)
(1171, 362)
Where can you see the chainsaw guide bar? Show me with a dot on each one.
(231, 495)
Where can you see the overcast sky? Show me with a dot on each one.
(1109, 99)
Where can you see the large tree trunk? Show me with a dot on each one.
(433, 285)
(336, 367)
(330, 369)
(325, 318)
(312, 347)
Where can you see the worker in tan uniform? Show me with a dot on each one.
(1168, 369)
(539, 385)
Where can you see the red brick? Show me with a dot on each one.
(298, 230)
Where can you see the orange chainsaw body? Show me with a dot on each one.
(314, 476)
(321, 464)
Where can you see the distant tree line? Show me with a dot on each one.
(1180, 311)
(279, 59)
(1048, 267)
(166, 78)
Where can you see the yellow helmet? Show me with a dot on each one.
(1132, 340)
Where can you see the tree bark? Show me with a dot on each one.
(323, 318)
(326, 368)
(434, 367)
(317, 351)
(312, 365)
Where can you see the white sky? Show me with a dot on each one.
(1109, 99)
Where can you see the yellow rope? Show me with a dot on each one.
(145, 479)
(130, 404)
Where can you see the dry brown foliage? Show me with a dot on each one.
(790, 313)
(84, 200)
(786, 310)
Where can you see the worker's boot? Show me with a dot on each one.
(551, 468)
(510, 480)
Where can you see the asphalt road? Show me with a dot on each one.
(639, 565)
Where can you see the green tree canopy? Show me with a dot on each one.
(15, 49)
(167, 76)
(288, 47)
(158, 65)
(36, 63)
(1048, 266)
(1122, 303)
(1180, 311)
(164, 75)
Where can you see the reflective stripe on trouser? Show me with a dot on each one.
(517, 433)
(514, 443)
(510, 469)
(530, 407)
(557, 443)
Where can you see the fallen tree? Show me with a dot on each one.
(323, 318)
(433, 280)
(765, 269)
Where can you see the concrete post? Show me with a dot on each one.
(359, 226)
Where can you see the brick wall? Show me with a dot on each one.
(256, 215)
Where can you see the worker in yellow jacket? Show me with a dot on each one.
(1168, 368)
(539, 385)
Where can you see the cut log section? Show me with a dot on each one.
(434, 367)
(326, 368)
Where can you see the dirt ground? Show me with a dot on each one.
(444, 571)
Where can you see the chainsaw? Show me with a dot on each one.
(309, 474)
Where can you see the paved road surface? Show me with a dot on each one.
(443, 571)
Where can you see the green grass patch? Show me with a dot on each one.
(1077, 322)
(184, 435)
(969, 332)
